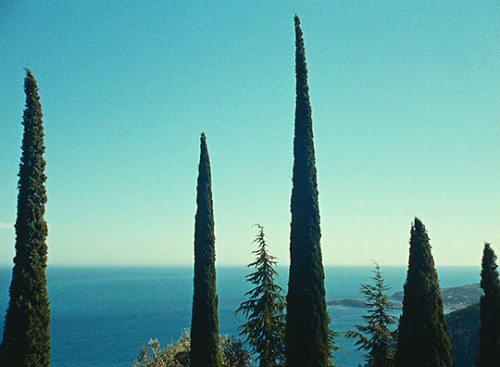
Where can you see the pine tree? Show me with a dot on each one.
(265, 310)
(204, 323)
(26, 337)
(307, 335)
(489, 332)
(422, 339)
(375, 337)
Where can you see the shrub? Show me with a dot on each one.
(177, 354)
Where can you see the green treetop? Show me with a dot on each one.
(422, 339)
(489, 332)
(307, 335)
(204, 322)
(375, 336)
(265, 310)
(26, 337)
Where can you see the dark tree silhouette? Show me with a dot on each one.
(204, 323)
(26, 337)
(375, 336)
(307, 335)
(489, 332)
(265, 310)
(422, 339)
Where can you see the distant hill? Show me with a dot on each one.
(454, 298)
(462, 327)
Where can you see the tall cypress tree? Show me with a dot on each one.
(307, 332)
(26, 338)
(204, 322)
(489, 332)
(422, 338)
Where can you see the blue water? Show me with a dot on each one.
(103, 316)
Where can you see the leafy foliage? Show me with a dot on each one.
(375, 336)
(204, 321)
(233, 354)
(307, 335)
(26, 338)
(422, 338)
(489, 332)
(178, 354)
(265, 310)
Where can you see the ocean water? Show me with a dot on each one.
(103, 316)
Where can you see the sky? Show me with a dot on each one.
(405, 101)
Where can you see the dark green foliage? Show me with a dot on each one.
(307, 337)
(375, 337)
(422, 339)
(265, 310)
(232, 352)
(489, 333)
(204, 322)
(26, 338)
(462, 327)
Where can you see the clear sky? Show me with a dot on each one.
(406, 109)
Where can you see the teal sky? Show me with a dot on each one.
(405, 99)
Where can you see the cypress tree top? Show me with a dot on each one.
(489, 273)
(32, 194)
(489, 332)
(204, 220)
(26, 338)
(422, 338)
(304, 171)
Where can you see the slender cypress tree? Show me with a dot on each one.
(265, 310)
(422, 338)
(307, 336)
(489, 332)
(26, 337)
(204, 322)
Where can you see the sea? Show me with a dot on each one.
(103, 316)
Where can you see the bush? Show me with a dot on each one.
(177, 354)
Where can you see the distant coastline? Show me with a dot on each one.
(454, 298)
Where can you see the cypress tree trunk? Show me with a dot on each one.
(422, 338)
(489, 332)
(307, 330)
(204, 322)
(26, 338)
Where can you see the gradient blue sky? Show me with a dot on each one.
(405, 98)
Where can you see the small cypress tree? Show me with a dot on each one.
(375, 337)
(204, 322)
(265, 310)
(26, 337)
(307, 334)
(489, 332)
(422, 338)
